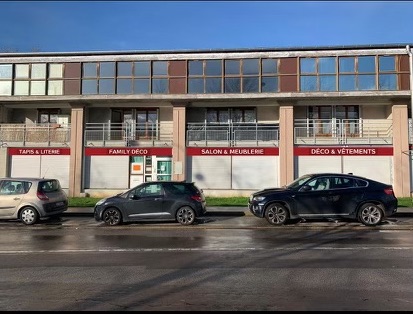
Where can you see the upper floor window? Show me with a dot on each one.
(348, 73)
(139, 77)
(38, 79)
(318, 74)
(233, 76)
(387, 73)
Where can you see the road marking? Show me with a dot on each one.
(138, 250)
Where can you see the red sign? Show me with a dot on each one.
(128, 151)
(232, 151)
(38, 151)
(343, 151)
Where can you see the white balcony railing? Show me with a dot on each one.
(343, 131)
(129, 134)
(232, 134)
(44, 134)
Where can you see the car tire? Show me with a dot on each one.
(185, 215)
(112, 216)
(276, 214)
(370, 214)
(29, 216)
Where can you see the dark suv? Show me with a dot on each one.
(158, 200)
(326, 195)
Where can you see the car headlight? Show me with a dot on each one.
(259, 198)
(101, 202)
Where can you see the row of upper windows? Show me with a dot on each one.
(203, 76)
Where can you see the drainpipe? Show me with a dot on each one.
(409, 52)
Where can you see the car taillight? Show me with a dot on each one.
(42, 196)
(388, 191)
(197, 198)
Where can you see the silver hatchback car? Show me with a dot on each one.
(31, 199)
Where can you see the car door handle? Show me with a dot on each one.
(16, 198)
(158, 199)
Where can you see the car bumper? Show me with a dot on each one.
(256, 209)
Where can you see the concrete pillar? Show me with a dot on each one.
(4, 114)
(401, 158)
(4, 162)
(179, 144)
(286, 144)
(76, 151)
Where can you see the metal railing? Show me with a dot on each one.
(128, 134)
(343, 131)
(232, 134)
(44, 134)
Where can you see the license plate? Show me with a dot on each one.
(60, 203)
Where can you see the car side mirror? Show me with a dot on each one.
(305, 188)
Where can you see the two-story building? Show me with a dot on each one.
(233, 121)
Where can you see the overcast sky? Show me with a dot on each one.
(66, 26)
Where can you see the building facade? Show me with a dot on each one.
(233, 121)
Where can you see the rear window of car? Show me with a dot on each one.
(49, 186)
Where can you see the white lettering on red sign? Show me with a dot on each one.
(39, 151)
(343, 151)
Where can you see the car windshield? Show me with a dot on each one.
(298, 182)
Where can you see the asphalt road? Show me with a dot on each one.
(229, 262)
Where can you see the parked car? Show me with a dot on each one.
(326, 195)
(151, 201)
(31, 199)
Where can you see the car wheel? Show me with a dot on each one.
(370, 214)
(29, 216)
(112, 216)
(185, 216)
(276, 214)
